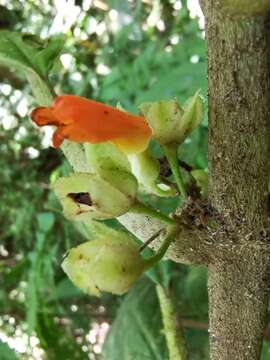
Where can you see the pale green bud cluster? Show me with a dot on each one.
(107, 188)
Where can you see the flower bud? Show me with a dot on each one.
(146, 168)
(169, 122)
(87, 196)
(111, 265)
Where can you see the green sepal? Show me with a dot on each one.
(146, 168)
(170, 122)
(87, 196)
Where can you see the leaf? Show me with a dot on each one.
(120, 5)
(14, 52)
(65, 290)
(27, 54)
(31, 302)
(45, 221)
(57, 341)
(33, 57)
(265, 350)
(196, 289)
(6, 352)
(46, 57)
(32, 291)
(14, 274)
(161, 273)
(137, 330)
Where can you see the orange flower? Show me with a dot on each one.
(82, 120)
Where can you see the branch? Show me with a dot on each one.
(194, 242)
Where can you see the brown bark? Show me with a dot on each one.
(239, 144)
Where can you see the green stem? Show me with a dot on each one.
(169, 237)
(43, 92)
(174, 337)
(140, 208)
(171, 154)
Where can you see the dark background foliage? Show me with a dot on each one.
(126, 51)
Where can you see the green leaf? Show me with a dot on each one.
(31, 302)
(15, 52)
(137, 330)
(45, 221)
(120, 5)
(57, 341)
(27, 54)
(65, 290)
(161, 273)
(16, 273)
(6, 352)
(265, 350)
(47, 57)
(35, 58)
(196, 289)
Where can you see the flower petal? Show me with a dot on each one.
(44, 116)
(83, 120)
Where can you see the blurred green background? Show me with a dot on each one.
(128, 51)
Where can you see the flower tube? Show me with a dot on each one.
(86, 121)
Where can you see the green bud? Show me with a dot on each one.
(111, 265)
(171, 123)
(146, 168)
(201, 178)
(87, 196)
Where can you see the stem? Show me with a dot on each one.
(174, 336)
(169, 237)
(171, 154)
(140, 208)
(42, 91)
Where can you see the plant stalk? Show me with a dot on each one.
(171, 154)
(168, 238)
(174, 337)
(140, 208)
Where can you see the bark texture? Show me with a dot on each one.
(238, 293)
(239, 155)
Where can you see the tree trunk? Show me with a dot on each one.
(239, 154)
(238, 298)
